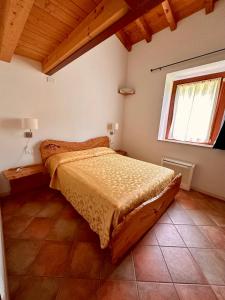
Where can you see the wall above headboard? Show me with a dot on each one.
(76, 106)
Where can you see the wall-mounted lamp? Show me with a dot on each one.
(29, 123)
(112, 128)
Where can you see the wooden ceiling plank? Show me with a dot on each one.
(13, 16)
(29, 53)
(144, 28)
(125, 40)
(84, 41)
(71, 8)
(105, 14)
(86, 5)
(209, 6)
(56, 11)
(169, 15)
(40, 17)
(32, 47)
(38, 40)
(43, 32)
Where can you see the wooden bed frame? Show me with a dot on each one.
(138, 221)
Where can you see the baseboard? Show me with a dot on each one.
(3, 275)
(207, 193)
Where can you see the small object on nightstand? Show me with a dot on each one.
(121, 152)
(26, 178)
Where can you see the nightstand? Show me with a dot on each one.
(27, 178)
(121, 152)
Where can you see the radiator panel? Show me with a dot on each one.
(184, 168)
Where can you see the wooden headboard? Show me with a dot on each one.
(51, 147)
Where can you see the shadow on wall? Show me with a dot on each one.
(10, 123)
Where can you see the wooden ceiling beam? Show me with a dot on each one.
(144, 28)
(209, 6)
(105, 14)
(137, 4)
(125, 39)
(169, 15)
(13, 16)
(94, 29)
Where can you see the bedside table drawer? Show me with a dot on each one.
(27, 183)
(27, 178)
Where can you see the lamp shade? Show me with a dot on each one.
(113, 126)
(116, 126)
(30, 123)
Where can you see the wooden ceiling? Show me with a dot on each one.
(168, 14)
(56, 32)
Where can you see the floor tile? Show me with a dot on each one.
(122, 271)
(30, 208)
(123, 290)
(165, 219)
(16, 225)
(221, 253)
(150, 265)
(193, 237)
(211, 264)
(219, 206)
(80, 289)
(13, 285)
(186, 201)
(167, 235)
(52, 259)
(85, 234)
(86, 261)
(219, 291)
(175, 206)
(195, 292)
(73, 266)
(51, 210)
(36, 288)
(68, 212)
(149, 239)
(37, 229)
(63, 230)
(20, 254)
(200, 218)
(180, 217)
(157, 291)
(10, 208)
(218, 219)
(215, 234)
(207, 205)
(182, 266)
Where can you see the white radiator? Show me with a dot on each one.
(185, 168)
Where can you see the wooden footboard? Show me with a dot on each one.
(140, 220)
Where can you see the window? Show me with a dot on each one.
(196, 109)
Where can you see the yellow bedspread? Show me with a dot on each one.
(104, 186)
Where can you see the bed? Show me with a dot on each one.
(120, 197)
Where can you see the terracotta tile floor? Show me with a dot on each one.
(51, 253)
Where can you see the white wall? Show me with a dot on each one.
(77, 106)
(195, 35)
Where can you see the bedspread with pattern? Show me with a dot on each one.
(104, 186)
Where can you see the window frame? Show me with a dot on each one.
(219, 111)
